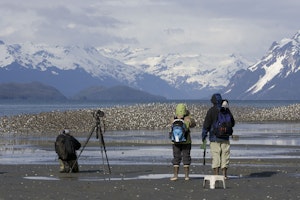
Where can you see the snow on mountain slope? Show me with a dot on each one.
(271, 72)
(195, 74)
(275, 76)
(43, 56)
(200, 71)
(278, 62)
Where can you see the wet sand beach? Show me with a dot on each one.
(259, 175)
(255, 179)
(272, 176)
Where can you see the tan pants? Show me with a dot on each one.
(220, 153)
(65, 166)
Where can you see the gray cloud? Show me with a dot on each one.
(247, 27)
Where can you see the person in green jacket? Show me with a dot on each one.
(182, 149)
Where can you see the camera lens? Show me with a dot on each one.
(99, 113)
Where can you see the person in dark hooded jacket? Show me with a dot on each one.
(65, 147)
(219, 147)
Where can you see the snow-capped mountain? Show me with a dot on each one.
(69, 69)
(198, 75)
(73, 68)
(42, 56)
(275, 76)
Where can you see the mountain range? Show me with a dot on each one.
(71, 69)
(275, 76)
(36, 91)
(74, 69)
(30, 92)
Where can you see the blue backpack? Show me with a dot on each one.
(178, 132)
(223, 126)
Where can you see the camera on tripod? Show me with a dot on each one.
(97, 129)
(99, 113)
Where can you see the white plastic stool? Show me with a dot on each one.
(213, 179)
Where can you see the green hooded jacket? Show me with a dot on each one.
(181, 112)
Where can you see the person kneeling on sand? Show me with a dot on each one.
(181, 140)
(65, 147)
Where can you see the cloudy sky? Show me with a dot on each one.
(246, 27)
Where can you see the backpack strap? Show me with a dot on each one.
(176, 120)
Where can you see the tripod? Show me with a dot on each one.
(97, 115)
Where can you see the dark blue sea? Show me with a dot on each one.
(8, 108)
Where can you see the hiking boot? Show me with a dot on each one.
(176, 170)
(186, 172)
(74, 165)
(61, 166)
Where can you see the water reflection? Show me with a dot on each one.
(285, 134)
(153, 147)
(141, 177)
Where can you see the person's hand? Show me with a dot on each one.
(204, 140)
(203, 145)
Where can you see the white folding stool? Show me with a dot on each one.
(213, 179)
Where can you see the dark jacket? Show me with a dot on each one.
(211, 118)
(66, 144)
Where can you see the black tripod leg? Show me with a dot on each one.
(87, 140)
(101, 147)
(103, 144)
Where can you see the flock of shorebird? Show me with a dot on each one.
(152, 116)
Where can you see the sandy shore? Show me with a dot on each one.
(249, 179)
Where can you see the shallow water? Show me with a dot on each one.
(103, 178)
(152, 147)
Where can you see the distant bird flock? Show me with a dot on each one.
(152, 116)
